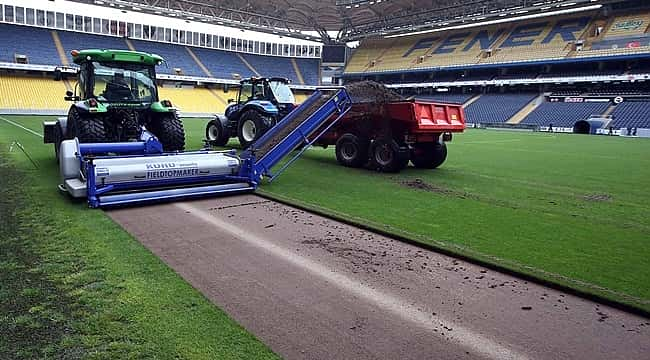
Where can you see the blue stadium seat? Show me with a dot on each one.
(79, 41)
(496, 108)
(631, 114)
(269, 66)
(222, 64)
(310, 70)
(175, 55)
(564, 114)
(36, 43)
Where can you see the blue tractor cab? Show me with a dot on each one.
(261, 103)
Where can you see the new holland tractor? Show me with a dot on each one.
(115, 99)
(260, 104)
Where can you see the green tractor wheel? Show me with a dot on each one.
(88, 129)
(168, 128)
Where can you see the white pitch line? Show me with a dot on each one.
(22, 127)
(390, 303)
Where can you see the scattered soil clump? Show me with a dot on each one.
(597, 197)
(420, 184)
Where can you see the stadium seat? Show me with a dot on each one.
(77, 41)
(496, 108)
(37, 44)
(270, 66)
(32, 93)
(222, 64)
(195, 100)
(176, 56)
(631, 114)
(564, 114)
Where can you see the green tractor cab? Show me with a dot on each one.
(261, 103)
(114, 99)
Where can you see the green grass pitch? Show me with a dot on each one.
(572, 209)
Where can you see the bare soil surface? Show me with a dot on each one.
(371, 92)
(313, 288)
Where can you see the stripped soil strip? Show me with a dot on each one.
(282, 272)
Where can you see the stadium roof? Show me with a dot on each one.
(351, 19)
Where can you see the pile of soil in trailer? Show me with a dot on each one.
(371, 92)
(268, 145)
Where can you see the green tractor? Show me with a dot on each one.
(115, 99)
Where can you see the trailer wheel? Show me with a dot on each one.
(168, 128)
(250, 128)
(429, 155)
(88, 129)
(387, 156)
(352, 151)
(215, 134)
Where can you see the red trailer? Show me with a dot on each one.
(386, 136)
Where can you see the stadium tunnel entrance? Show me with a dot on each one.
(587, 126)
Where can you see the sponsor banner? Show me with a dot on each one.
(574, 99)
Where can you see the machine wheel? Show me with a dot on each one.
(88, 129)
(352, 151)
(251, 127)
(168, 128)
(387, 156)
(215, 133)
(429, 155)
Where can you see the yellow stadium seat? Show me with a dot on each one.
(31, 93)
(629, 25)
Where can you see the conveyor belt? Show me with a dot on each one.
(296, 128)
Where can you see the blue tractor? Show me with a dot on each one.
(260, 104)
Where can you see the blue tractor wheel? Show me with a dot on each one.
(251, 127)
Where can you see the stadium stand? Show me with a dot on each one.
(196, 100)
(223, 64)
(543, 39)
(631, 114)
(504, 43)
(176, 56)
(564, 114)
(309, 68)
(31, 93)
(628, 25)
(39, 46)
(272, 66)
(496, 108)
(35, 43)
(73, 40)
